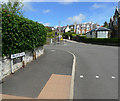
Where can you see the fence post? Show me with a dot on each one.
(51, 41)
(23, 61)
(11, 64)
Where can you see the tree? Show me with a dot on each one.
(106, 24)
(48, 29)
(13, 6)
(51, 34)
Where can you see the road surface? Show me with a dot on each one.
(96, 74)
(29, 81)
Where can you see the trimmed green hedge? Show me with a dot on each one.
(20, 34)
(68, 34)
(79, 38)
(96, 40)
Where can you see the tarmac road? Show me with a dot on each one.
(96, 74)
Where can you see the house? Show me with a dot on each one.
(72, 27)
(100, 32)
(114, 24)
(52, 28)
(66, 29)
(84, 28)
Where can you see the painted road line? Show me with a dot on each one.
(81, 76)
(97, 76)
(73, 76)
(113, 77)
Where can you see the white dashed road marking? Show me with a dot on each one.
(97, 77)
(113, 77)
(81, 76)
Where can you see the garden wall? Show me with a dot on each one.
(17, 63)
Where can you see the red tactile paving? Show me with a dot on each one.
(57, 87)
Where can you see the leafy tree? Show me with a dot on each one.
(13, 6)
(106, 24)
(48, 29)
(51, 34)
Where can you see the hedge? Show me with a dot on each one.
(77, 37)
(96, 40)
(68, 34)
(20, 34)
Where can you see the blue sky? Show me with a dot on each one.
(49, 13)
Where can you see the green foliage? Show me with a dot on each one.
(106, 24)
(13, 6)
(48, 29)
(73, 35)
(51, 34)
(20, 34)
(68, 34)
(96, 40)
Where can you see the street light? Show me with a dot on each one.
(59, 30)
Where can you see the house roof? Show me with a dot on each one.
(100, 29)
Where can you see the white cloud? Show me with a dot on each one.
(66, 2)
(46, 24)
(40, 22)
(28, 7)
(76, 19)
(47, 11)
(95, 6)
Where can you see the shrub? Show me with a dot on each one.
(96, 40)
(68, 34)
(20, 34)
(51, 34)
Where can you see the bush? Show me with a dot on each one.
(51, 34)
(68, 34)
(20, 34)
(96, 40)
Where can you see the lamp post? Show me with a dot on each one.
(59, 30)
